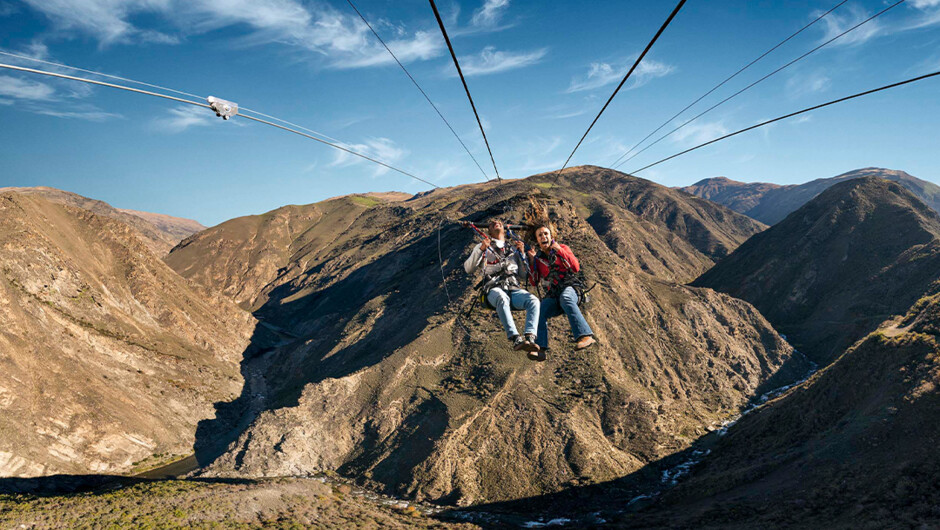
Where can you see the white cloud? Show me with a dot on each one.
(924, 4)
(804, 84)
(489, 13)
(696, 133)
(90, 114)
(7, 9)
(491, 61)
(179, 119)
(382, 149)
(338, 39)
(602, 74)
(17, 88)
(836, 23)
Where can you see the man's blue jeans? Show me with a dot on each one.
(516, 299)
(567, 302)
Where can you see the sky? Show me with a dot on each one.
(539, 72)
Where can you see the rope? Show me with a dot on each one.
(732, 76)
(423, 93)
(768, 122)
(466, 89)
(869, 19)
(204, 105)
(632, 68)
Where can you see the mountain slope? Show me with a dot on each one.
(855, 445)
(371, 373)
(160, 232)
(106, 355)
(830, 272)
(770, 203)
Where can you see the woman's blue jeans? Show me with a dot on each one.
(516, 299)
(566, 303)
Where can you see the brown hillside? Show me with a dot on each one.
(829, 273)
(369, 372)
(159, 232)
(108, 356)
(854, 447)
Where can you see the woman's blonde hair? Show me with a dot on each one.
(536, 216)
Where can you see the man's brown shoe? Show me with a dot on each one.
(584, 342)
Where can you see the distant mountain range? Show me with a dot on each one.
(770, 203)
(160, 232)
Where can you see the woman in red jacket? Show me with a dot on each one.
(556, 268)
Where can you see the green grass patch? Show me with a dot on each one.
(368, 202)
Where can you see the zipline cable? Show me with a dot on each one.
(204, 105)
(732, 96)
(792, 114)
(729, 78)
(118, 78)
(453, 55)
(142, 83)
(423, 93)
(632, 68)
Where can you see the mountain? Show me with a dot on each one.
(160, 232)
(372, 367)
(829, 273)
(855, 445)
(770, 203)
(108, 357)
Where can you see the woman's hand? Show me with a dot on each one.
(485, 244)
(555, 246)
(520, 246)
(531, 253)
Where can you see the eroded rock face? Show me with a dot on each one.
(106, 355)
(376, 376)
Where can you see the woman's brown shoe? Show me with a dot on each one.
(584, 342)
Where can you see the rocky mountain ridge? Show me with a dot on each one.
(160, 232)
(770, 203)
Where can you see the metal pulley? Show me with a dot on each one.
(223, 109)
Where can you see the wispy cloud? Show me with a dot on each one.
(804, 84)
(179, 119)
(927, 14)
(492, 61)
(490, 13)
(381, 149)
(337, 39)
(699, 132)
(16, 88)
(836, 23)
(601, 74)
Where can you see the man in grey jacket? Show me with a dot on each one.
(504, 274)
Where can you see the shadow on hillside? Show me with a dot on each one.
(55, 485)
(586, 505)
(323, 330)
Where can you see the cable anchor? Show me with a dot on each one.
(223, 109)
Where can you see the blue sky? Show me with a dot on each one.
(539, 71)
